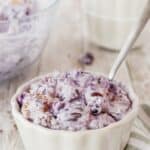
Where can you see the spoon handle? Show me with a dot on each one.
(130, 40)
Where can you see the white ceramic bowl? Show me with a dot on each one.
(35, 137)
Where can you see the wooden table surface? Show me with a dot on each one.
(66, 44)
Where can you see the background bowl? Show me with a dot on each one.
(22, 47)
(109, 22)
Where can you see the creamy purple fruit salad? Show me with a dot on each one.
(24, 31)
(74, 101)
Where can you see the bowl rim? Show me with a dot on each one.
(18, 116)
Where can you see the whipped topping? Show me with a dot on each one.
(74, 100)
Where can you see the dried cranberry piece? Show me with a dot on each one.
(47, 106)
(78, 115)
(76, 97)
(87, 59)
(75, 116)
(20, 100)
(28, 11)
(59, 97)
(29, 119)
(95, 112)
(61, 106)
(112, 88)
(96, 94)
(99, 80)
(55, 116)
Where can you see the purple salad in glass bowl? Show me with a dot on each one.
(24, 30)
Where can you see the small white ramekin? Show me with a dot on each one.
(109, 22)
(35, 137)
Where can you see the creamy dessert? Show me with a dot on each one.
(74, 101)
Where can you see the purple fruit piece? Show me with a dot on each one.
(20, 100)
(112, 88)
(87, 59)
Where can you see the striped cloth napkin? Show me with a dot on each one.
(140, 135)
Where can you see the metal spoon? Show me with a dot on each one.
(131, 39)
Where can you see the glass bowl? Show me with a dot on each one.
(21, 48)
